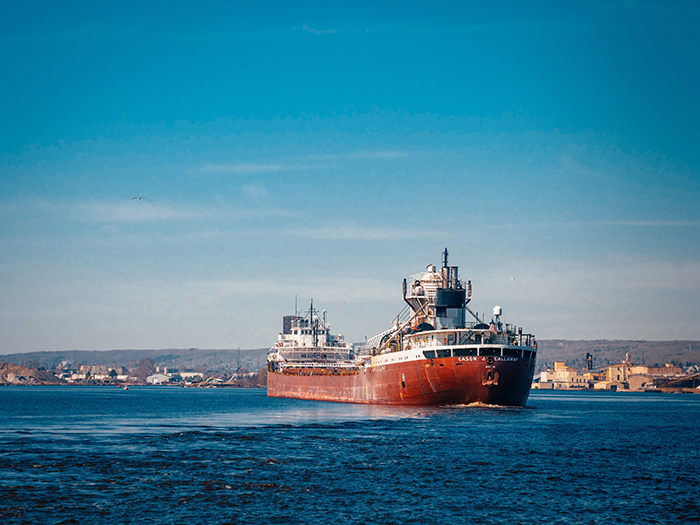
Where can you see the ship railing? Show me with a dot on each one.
(317, 364)
(305, 355)
(458, 337)
(488, 351)
(302, 343)
(375, 341)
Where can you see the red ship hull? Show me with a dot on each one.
(453, 380)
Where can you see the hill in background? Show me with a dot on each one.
(605, 352)
(195, 359)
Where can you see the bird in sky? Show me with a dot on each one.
(137, 198)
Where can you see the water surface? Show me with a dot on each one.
(171, 455)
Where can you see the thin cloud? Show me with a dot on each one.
(361, 233)
(379, 155)
(142, 211)
(243, 168)
(133, 211)
(586, 224)
(386, 154)
(329, 288)
(83, 33)
(691, 224)
(318, 31)
(302, 163)
(256, 191)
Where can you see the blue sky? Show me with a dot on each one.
(326, 151)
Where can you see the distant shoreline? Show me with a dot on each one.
(665, 391)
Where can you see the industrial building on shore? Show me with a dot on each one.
(622, 376)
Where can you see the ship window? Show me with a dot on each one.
(511, 352)
(444, 352)
(429, 354)
(462, 352)
(489, 351)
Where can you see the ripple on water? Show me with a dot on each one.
(563, 461)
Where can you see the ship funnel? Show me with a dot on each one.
(446, 277)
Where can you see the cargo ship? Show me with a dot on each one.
(438, 351)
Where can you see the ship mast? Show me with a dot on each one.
(313, 323)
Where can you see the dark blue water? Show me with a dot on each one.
(169, 455)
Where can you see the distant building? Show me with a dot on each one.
(618, 373)
(188, 376)
(609, 385)
(562, 377)
(593, 377)
(623, 376)
(636, 377)
(157, 379)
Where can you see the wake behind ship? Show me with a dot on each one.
(438, 351)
